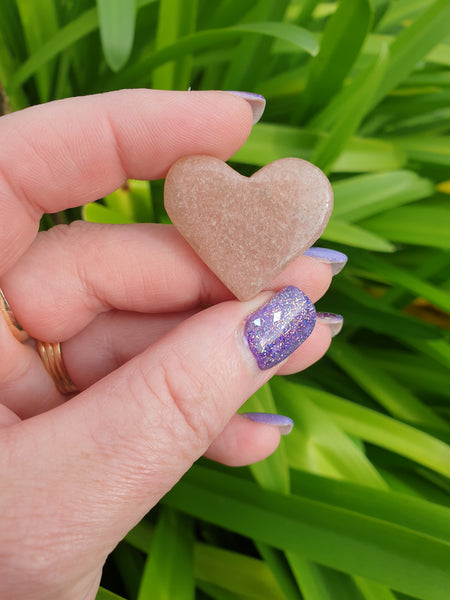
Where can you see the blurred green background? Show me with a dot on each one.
(354, 504)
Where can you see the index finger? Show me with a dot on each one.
(69, 152)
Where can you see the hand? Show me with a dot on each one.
(161, 378)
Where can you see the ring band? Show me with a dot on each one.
(51, 356)
(14, 326)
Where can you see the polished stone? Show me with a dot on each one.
(248, 229)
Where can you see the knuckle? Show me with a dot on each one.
(187, 400)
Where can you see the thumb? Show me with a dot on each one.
(108, 455)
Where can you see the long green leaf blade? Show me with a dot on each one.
(340, 45)
(364, 196)
(356, 107)
(398, 400)
(401, 558)
(169, 570)
(413, 43)
(117, 21)
(382, 430)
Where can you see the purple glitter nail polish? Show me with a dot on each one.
(333, 321)
(336, 259)
(284, 424)
(256, 101)
(278, 327)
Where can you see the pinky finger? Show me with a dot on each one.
(247, 439)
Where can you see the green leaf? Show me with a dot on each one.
(97, 213)
(427, 149)
(272, 473)
(420, 225)
(139, 72)
(353, 235)
(236, 572)
(104, 594)
(117, 20)
(414, 369)
(322, 583)
(401, 10)
(40, 23)
(248, 62)
(297, 36)
(396, 549)
(340, 45)
(368, 313)
(229, 570)
(176, 19)
(279, 566)
(269, 142)
(364, 196)
(413, 44)
(382, 430)
(394, 397)
(316, 444)
(351, 115)
(389, 273)
(65, 37)
(169, 570)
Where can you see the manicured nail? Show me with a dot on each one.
(333, 321)
(284, 424)
(279, 326)
(256, 101)
(336, 259)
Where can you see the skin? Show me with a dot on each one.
(161, 377)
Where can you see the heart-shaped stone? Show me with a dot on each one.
(247, 229)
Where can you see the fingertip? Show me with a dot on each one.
(244, 442)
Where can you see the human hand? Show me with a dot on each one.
(161, 377)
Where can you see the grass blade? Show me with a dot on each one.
(413, 44)
(383, 388)
(269, 142)
(429, 149)
(381, 430)
(138, 73)
(356, 107)
(364, 196)
(353, 235)
(104, 594)
(420, 225)
(394, 275)
(229, 570)
(250, 59)
(176, 19)
(117, 20)
(341, 42)
(40, 23)
(378, 548)
(272, 473)
(317, 444)
(169, 571)
(322, 583)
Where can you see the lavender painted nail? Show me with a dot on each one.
(279, 326)
(336, 259)
(333, 321)
(284, 424)
(256, 101)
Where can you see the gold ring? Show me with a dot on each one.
(14, 326)
(51, 356)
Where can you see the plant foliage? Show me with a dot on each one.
(354, 504)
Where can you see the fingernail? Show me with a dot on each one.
(284, 424)
(279, 326)
(336, 259)
(256, 101)
(333, 321)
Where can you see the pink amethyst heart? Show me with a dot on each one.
(247, 229)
